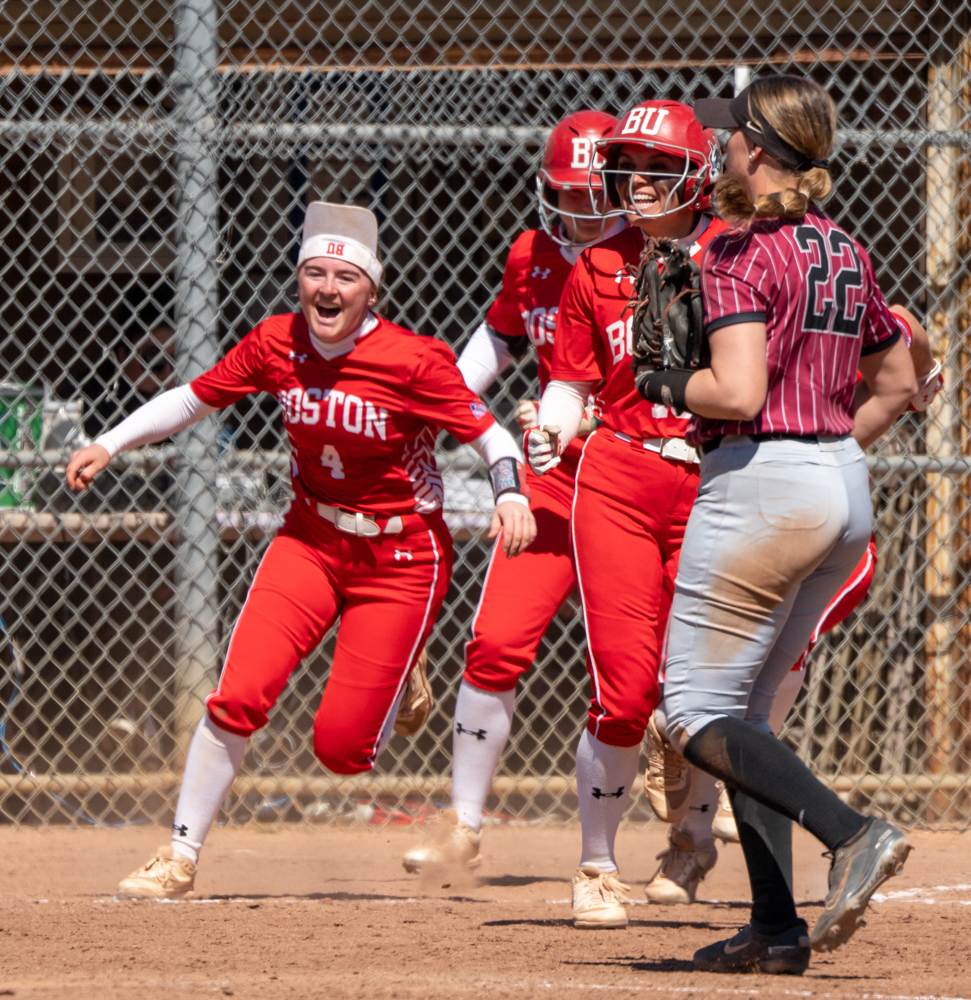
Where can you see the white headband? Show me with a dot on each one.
(343, 232)
(341, 248)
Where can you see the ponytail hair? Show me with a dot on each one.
(804, 116)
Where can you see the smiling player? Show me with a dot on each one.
(362, 402)
(519, 597)
(637, 478)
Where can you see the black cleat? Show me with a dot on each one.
(784, 954)
(859, 868)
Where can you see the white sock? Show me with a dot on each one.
(210, 768)
(605, 775)
(702, 806)
(482, 723)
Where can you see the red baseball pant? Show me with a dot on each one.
(629, 516)
(847, 599)
(387, 592)
(520, 596)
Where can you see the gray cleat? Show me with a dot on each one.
(859, 868)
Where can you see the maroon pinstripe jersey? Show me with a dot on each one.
(814, 287)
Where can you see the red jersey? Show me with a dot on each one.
(593, 334)
(362, 427)
(532, 283)
(536, 271)
(814, 287)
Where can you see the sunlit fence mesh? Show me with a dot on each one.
(155, 161)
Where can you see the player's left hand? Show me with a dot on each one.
(517, 524)
(526, 414)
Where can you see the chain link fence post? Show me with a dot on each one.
(197, 310)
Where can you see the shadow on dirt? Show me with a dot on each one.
(642, 964)
(568, 922)
(518, 880)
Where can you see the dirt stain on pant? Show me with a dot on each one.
(758, 572)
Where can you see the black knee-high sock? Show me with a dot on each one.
(766, 839)
(766, 770)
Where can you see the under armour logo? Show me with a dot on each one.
(182, 831)
(622, 273)
(299, 358)
(597, 794)
(542, 272)
(400, 554)
(479, 734)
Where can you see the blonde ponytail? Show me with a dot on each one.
(804, 115)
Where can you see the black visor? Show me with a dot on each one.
(712, 112)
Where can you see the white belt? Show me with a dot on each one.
(675, 449)
(355, 523)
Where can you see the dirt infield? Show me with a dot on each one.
(331, 913)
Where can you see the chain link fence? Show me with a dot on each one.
(155, 161)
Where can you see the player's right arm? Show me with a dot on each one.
(158, 419)
(486, 355)
(578, 365)
(237, 375)
(501, 337)
(889, 381)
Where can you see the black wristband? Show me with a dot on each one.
(508, 476)
(665, 387)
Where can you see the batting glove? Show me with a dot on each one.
(539, 451)
(928, 388)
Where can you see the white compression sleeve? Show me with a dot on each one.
(159, 418)
(484, 358)
(496, 443)
(562, 405)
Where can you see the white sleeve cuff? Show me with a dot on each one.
(515, 497)
(563, 406)
(496, 443)
(484, 358)
(159, 418)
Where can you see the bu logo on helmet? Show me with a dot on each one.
(583, 151)
(646, 121)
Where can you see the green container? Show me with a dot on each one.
(21, 418)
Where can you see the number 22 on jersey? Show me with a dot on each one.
(831, 305)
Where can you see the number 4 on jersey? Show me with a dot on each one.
(329, 459)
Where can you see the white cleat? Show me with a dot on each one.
(683, 865)
(723, 826)
(166, 875)
(449, 844)
(667, 780)
(417, 704)
(597, 899)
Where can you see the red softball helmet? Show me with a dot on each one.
(568, 160)
(669, 127)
